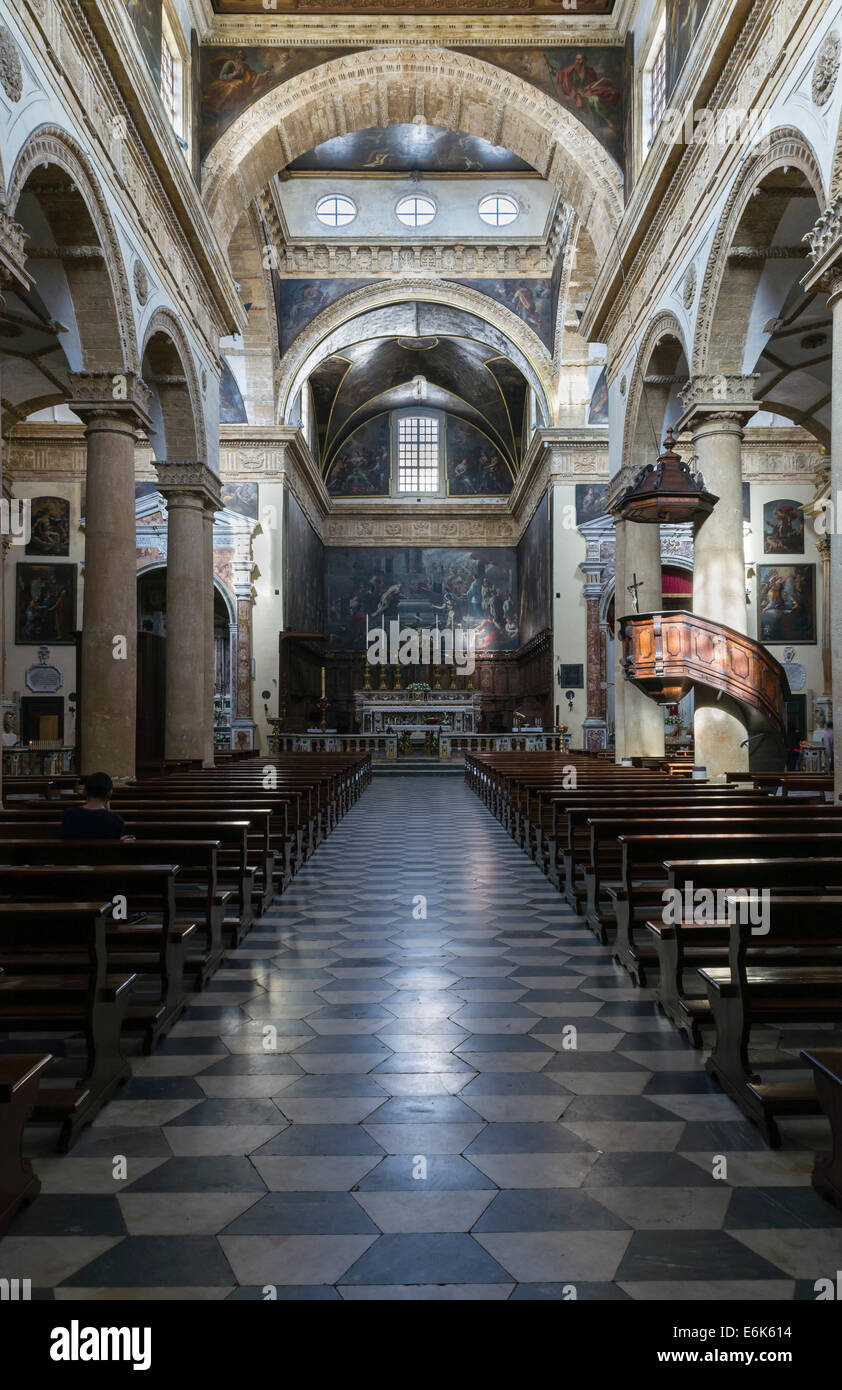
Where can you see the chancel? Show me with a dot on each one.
(421, 835)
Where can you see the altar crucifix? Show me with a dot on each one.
(633, 590)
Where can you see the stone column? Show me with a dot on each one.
(595, 729)
(826, 275)
(717, 408)
(823, 547)
(210, 648)
(621, 685)
(13, 277)
(833, 596)
(644, 719)
(113, 407)
(191, 491)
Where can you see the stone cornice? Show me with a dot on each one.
(275, 454)
(377, 31)
(778, 455)
(571, 454)
(46, 450)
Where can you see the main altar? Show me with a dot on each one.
(417, 713)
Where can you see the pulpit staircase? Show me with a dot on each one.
(668, 654)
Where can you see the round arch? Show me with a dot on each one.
(785, 149)
(50, 145)
(183, 400)
(637, 440)
(298, 360)
(388, 86)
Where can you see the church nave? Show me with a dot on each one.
(416, 1126)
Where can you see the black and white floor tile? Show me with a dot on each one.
(421, 1078)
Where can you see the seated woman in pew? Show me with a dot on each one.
(94, 819)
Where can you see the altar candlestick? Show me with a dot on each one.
(323, 682)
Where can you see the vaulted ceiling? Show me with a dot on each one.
(465, 378)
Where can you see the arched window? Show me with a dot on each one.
(419, 468)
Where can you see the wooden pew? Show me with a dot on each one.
(604, 871)
(827, 1077)
(154, 948)
(58, 978)
(574, 850)
(235, 871)
(197, 898)
(683, 948)
(652, 863)
(745, 993)
(19, 1078)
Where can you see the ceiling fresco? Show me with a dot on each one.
(463, 377)
(589, 81)
(297, 302)
(233, 77)
(409, 148)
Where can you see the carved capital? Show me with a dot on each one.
(717, 396)
(119, 394)
(190, 477)
(13, 274)
(825, 249)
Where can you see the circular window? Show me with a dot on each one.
(336, 211)
(498, 210)
(416, 211)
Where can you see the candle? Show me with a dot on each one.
(323, 682)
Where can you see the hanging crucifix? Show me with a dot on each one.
(633, 588)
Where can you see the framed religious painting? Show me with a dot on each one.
(786, 604)
(783, 527)
(45, 605)
(49, 526)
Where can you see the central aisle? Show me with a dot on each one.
(424, 1123)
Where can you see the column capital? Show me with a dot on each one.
(825, 242)
(190, 477)
(717, 396)
(120, 396)
(13, 275)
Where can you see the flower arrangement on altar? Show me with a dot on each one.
(418, 688)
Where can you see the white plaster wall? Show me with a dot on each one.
(17, 659)
(569, 609)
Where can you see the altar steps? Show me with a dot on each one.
(414, 767)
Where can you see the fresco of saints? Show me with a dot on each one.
(581, 85)
(237, 83)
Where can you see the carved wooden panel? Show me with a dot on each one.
(665, 653)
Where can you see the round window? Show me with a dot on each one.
(416, 211)
(498, 210)
(336, 211)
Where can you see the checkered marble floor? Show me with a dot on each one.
(421, 1077)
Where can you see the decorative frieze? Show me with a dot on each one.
(826, 69)
(391, 528)
(11, 73)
